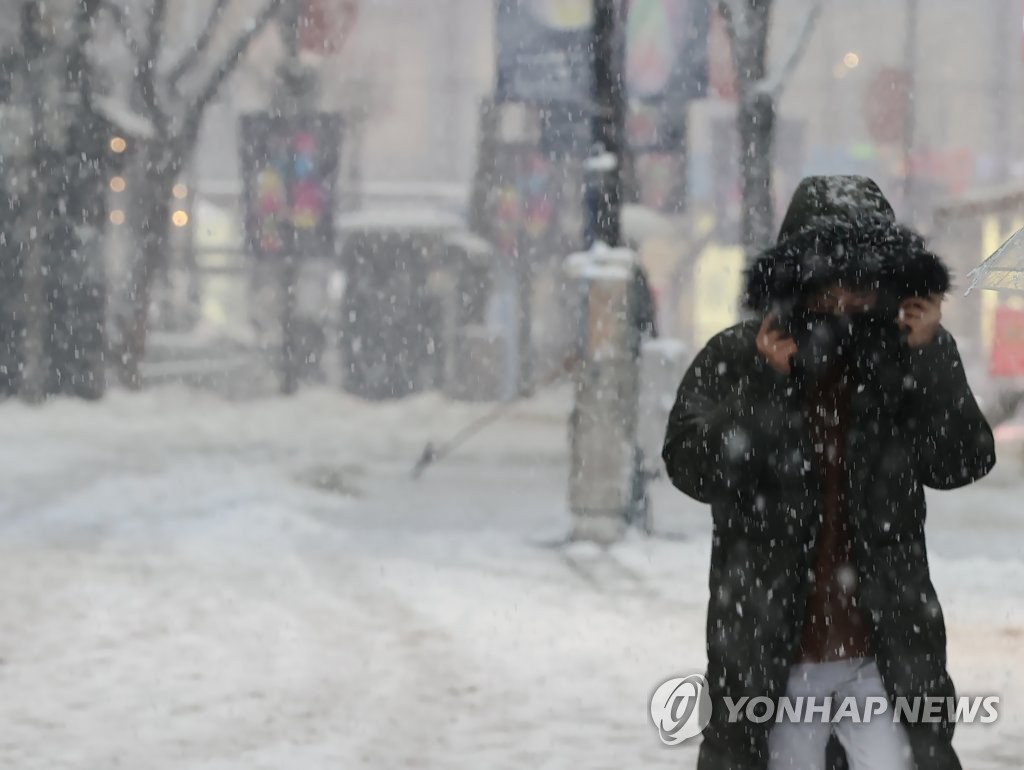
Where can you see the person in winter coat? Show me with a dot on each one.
(644, 308)
(812, 433)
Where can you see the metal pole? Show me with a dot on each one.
(909, 123)
(289, 106)
(604, 187)
(603, 453)
(1003, 29)
(452, 85)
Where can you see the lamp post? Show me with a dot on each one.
(909, 124)
(608, 127)
(603, 490)
(297, 91)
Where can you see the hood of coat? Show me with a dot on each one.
(841, 229)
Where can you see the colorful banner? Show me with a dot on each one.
(523, 205)
(544, 59)
(1007, 358)
(289, 171)
(544, 52)
(666, 67)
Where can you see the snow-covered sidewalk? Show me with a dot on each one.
(191, 583)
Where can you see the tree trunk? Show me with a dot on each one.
(41, 211)
(153, 247)
(757, 133)
(60, 325)
(77, 342)
(77, 334)
(12, 257)
(748, 23)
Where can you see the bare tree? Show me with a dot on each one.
(757, 92)
(78, 282)
(174, 99)
(58, 332)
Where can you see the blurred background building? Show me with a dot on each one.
(919, 95)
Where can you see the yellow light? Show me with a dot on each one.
(118, 145)
(117, 184)
(179, 191)
(179, 218)
(117, 217)
(851, 60)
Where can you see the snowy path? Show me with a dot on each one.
(187, 583)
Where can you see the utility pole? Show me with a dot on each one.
(606, 488)
(909, 123)
(297, 89)
(608, 121)
(452, 25)
(1003, 32)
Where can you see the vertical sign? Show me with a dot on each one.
(544, 51)
(545, 59)
(1007, 358)
(289, 171)
(666, 67)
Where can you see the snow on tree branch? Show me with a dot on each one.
(195, 53)
(120, 19)
(774, 84)
(148, 63)
(228, 65)
(735, 14)
(80, 69)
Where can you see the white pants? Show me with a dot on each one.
(878, 744)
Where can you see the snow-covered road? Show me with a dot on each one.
(191, 583)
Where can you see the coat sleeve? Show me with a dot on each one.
(703, 427)
(950, 438)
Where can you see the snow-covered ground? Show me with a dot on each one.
(187, 582)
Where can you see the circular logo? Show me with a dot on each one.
(681, 709)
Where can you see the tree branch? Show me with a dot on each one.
(350, 16)
(120, 20)
(79, 74)
(192, 57)
(228, 64)
(774, 84)
(734, 12)
(147, 64)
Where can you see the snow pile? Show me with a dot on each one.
(186, 582)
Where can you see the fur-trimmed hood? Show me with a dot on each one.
(841, 229)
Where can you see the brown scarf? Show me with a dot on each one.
(834, 628)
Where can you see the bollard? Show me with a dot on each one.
(603, 426)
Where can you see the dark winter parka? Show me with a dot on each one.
(738, 439)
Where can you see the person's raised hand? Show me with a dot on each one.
(775, 346)
(920, 317)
